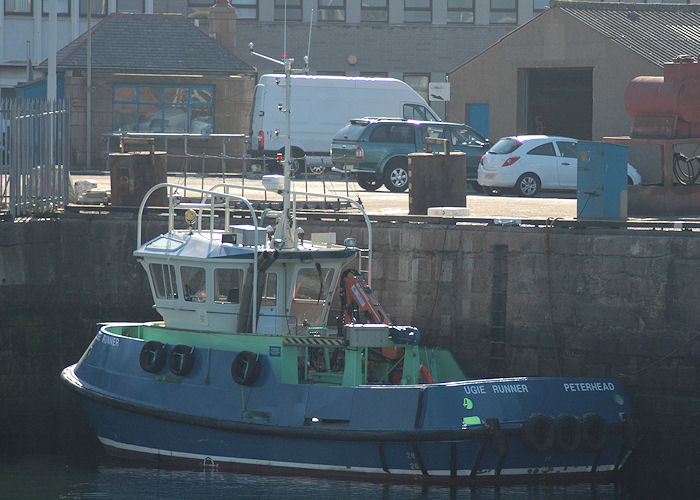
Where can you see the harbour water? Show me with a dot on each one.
(42, 478)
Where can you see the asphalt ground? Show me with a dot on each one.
(381, 202)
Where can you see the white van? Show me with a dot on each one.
(320, 106)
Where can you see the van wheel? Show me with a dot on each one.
(316, 169)
(368, 182)
(396, 175)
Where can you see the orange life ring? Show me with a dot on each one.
(424, 376)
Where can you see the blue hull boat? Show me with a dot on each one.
(246, 372)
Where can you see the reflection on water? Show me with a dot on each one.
(50, 478)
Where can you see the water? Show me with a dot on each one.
(52, 478)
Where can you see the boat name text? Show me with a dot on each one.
(108, 340)
(496, 388)
(589, 386)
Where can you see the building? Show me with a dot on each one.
(565, 72)
(417, 41)
(151, 73)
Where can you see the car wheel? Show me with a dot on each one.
(368, 182)
(478, 188)
(527, 185)
(396, 175)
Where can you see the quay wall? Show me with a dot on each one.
(507, 300)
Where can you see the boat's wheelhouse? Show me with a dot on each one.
(206, 283)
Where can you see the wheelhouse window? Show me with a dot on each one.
(194, 283)
(18, 6)
(418, 11)
(310, 294)
(132, 6)
(374, 11)
(293, 10)
(164, 282)
(504, 12)
(164, 108)
(269, 293)
(460, 11)
(227, 285)
(331, 10)
(62, 7)
(97, 8)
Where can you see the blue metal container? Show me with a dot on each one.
(601, 181)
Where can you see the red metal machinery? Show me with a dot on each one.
(665, 111)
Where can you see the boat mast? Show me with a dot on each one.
(283, 231)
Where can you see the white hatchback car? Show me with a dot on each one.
(529, 163)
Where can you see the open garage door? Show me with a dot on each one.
(556, 101)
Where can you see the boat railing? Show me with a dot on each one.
(364, 254)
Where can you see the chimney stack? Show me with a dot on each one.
(222, 24)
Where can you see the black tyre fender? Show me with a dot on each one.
(528, 185)
(152, 357)
(594, 432)
(538, 432)
(246, 368)
(181, 360)
(368, 182)
(396, 175)
(567, 430)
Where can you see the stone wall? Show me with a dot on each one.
(508, 301)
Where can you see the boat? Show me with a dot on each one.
(274, 355)
(248, 369)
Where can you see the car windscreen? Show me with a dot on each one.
(505, 146)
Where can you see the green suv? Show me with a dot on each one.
(377, 149)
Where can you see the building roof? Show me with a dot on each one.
(150, 43)
(657, 32)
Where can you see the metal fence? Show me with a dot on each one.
(34, 156)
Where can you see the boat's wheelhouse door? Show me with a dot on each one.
(313, 291)
(268, 314)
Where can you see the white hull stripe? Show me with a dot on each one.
(208, 459)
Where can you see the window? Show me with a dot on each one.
(18, 6)
(164, 282)
(269, 293)
(310, 294)
(460, 11)
(97, 7)
(293, 10)
(568, 149)
(540, 5)
(331, 10)
(434, 131)
(399, 133)
(194, 283)
(418, 11)
(546, 149)
(374, 11)
(62, 7)
(461, 136)
(504, 12)
(166, 108)
(245, 9)
(417, 112)
(133, 6)
(419, 83)
(227, 285)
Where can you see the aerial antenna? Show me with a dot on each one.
(308, 48)
(284, 33)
